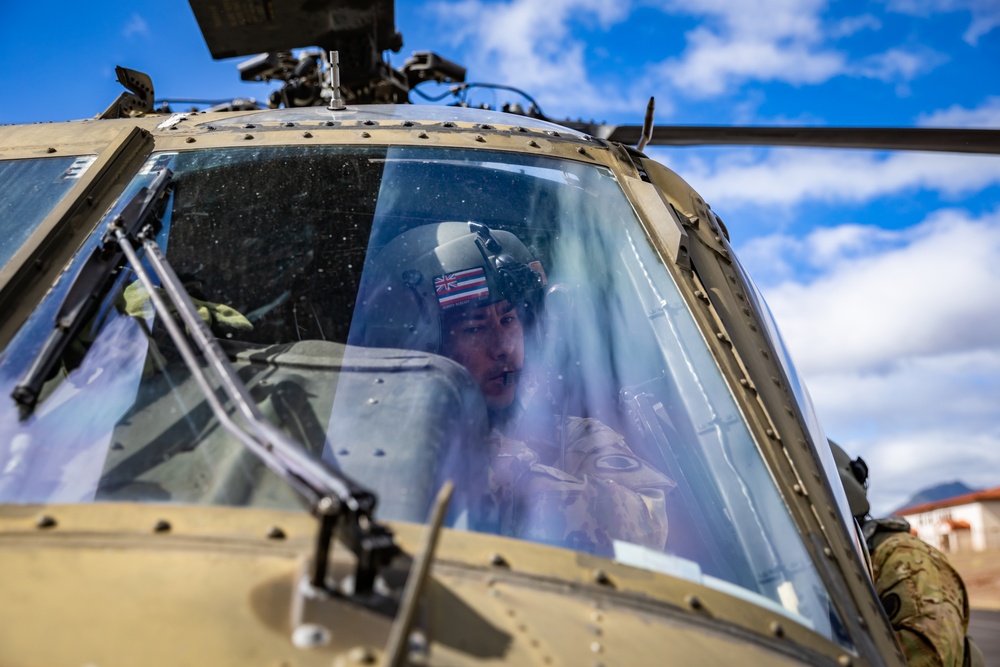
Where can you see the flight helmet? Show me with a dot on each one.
(437, 269)
(854, 477)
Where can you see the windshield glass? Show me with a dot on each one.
(412, 315)
(29, 190)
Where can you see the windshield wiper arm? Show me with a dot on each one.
(85, 291)
(344, 508)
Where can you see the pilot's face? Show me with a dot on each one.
(489, 342)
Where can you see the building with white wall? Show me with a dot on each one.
(970, 522)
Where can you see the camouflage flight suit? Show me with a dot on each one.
(923, 596)
(597, 493)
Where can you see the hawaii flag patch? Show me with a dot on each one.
(461, 287)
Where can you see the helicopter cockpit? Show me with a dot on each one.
(276, 244)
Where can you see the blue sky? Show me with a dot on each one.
(883, 269)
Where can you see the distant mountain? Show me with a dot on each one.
(934, 493)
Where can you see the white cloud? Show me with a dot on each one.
(853, 25)
(985, 13)
(551, 48)
(905, 462)
(713, 64)
(987, 115)
(771, 40)
(529, 44)
(136, 26)
(778, 258)
(898, 64)
(778, 40)
(787, 177)
(933, 289)
(898, 339)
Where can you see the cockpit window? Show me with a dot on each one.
(29, 190)
(411, 315)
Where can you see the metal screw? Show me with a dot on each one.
(307, 135)
(497, 560)
(480, 139)
(162, 526)
(693, 601)
(365, 135)
(326, 505)
(45, 521)
(190, 140)
(776, 629)
(601, 577)
(248, 136)
(276, 533)
(533, 143)
(309, 635)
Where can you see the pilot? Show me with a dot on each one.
(472, 294)
(922, 594)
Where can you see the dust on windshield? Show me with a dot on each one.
(411, 315)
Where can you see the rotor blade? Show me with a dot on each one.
(875, 138)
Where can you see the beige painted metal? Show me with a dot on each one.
(26, 277)
(214, 589)
(718, 297)
(129, 584)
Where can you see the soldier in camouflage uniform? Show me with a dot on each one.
(603, 493)
(469, 293)
(922, 594)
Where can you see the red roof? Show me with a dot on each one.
(964, 499)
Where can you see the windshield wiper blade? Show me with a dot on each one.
(85, 291)
(344, 508)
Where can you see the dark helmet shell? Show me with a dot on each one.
(430, 270)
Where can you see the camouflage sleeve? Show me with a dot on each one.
(602, 493)
(924, 598)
